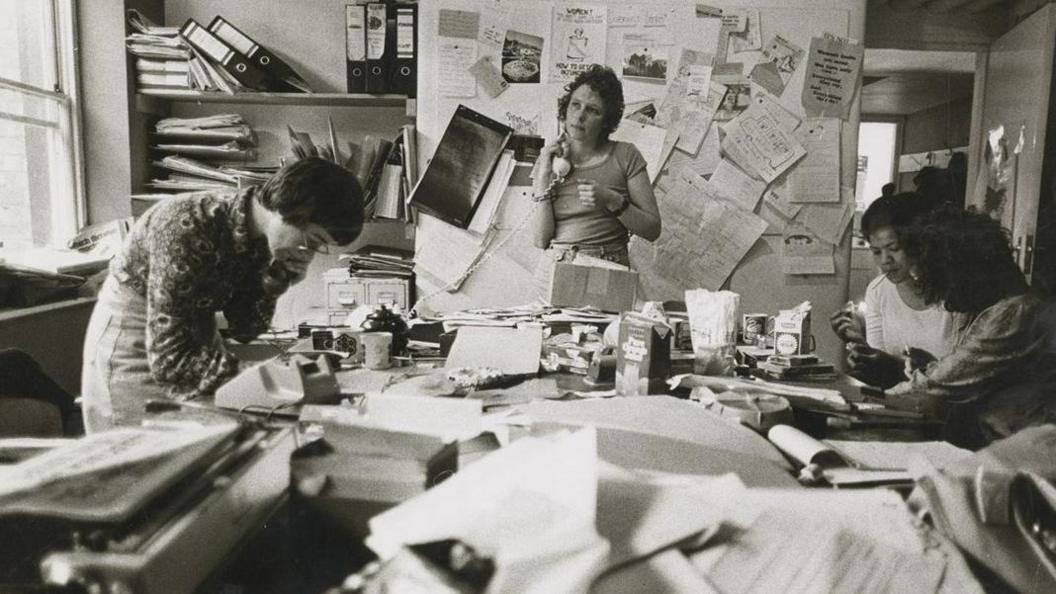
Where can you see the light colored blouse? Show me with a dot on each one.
(576, 224)
(891, 325)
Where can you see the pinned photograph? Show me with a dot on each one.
(737, 99)
(521, 57)
(785, 55)
(644, 59)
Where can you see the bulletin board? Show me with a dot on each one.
(762, 275)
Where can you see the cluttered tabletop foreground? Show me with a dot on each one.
(531, 449)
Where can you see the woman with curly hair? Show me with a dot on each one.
(607, 196)
(999, 377)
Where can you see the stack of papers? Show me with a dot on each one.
(378, 261)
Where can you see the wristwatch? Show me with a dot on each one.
(623, 206)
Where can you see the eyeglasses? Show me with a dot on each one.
(317, 247)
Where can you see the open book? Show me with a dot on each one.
(861, 463)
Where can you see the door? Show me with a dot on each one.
(1017, 97)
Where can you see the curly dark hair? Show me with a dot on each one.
(896, 211)
(963, 259)
(604, 82)
(314, 190)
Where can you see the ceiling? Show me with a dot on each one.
(901, 82)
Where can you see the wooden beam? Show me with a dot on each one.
(926, 30)
(982, 5)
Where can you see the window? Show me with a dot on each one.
(41, 190)
(876, 160)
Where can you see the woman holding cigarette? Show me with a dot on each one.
(153, 332)
(595, 190)
(894, 313)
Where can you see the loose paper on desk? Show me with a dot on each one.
(577, 40)
(513, 351)
(816, 178)
(101, 451)
(456, 57)
(829, 221)
(702, 243)
(736, 186)
(759, 142)
(834, 68)
(803, 253)
(648, 139)
(445, 252)
(530, 506)
(783, 551)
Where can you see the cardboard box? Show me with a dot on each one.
(792, 333)
(609, 289)
(643, 356)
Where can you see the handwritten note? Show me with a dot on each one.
(829, 221)
(737, 186)
(703, 240)
(834, 67)
(495, 19)
(456, 58)
(758, 142)
(817, 177)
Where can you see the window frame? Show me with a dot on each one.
(68, 161)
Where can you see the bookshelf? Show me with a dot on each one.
(260, 98)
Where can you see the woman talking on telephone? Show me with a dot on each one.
(594, 191)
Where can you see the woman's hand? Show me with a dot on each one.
(591, 195)
(916, 359)
(873, 366)
(847, 326)
(544, 164)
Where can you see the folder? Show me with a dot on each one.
(356, 47)
(405, 68)
(246, 72)
(377, 71)
(279, 70)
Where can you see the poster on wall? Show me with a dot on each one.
(577, 40)
(834, 67)
(645, 57)
(521, 57)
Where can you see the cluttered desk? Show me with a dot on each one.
(465, 468)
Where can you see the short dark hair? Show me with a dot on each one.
(314, 190)
(895, 212)
(604, 82)
(963, 259)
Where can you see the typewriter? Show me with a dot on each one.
(98, 515)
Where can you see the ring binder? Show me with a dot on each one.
(377, 69)
(356, 47)
(274, 66)
(405, 68)
(239, 66)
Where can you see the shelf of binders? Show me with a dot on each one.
(262, 98)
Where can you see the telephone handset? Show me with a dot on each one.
(561, 166)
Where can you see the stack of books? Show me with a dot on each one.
(374, 261)
(219, 57)
(797, 368)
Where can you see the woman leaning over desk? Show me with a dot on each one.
(153, 332)
(592, 210)
(999, 377)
